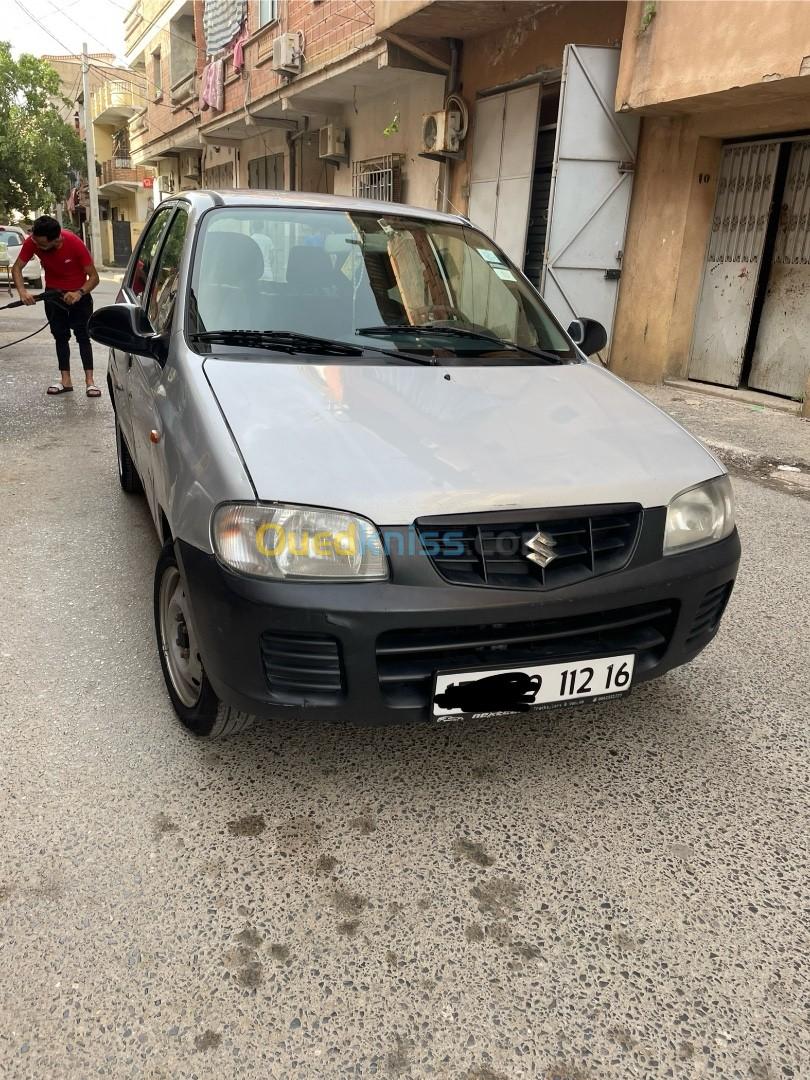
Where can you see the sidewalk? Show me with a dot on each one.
(773, 445)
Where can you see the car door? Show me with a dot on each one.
(133, 291)
(145, 374)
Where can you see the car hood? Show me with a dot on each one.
(394, 443)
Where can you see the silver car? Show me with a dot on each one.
(389, 486)
(12, 239)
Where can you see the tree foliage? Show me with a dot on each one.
(37, 148)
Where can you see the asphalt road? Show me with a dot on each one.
(614, 892)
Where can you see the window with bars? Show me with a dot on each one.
(378, 178)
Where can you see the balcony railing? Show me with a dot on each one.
(122, 169)
(115, 99)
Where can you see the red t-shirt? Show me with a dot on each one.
(64, 266)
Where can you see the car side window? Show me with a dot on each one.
(166, 280)
(146, 252)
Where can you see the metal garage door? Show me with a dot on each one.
(592, 182)
(733, 262)
(781, 362)
(502, 166)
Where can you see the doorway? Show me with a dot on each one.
(122, 242)
(752, 321)
(551, 180)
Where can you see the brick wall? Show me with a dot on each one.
(163, 115)
(333, 29)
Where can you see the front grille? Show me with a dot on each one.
(408, 659)
(302, 668)
(494, 553)
(709, 613)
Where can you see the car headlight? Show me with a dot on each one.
(298, 542)
(701, 515)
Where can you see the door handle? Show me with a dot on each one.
(129, 360)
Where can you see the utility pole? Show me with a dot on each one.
(90, 146)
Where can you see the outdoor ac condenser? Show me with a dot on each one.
(440, 132)
(287, 54)
(332, 143)
(443, 132)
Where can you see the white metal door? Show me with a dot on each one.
(503, 166)
(733, 262)
(781, 362)
(591, 184)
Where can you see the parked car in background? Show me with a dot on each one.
(389, 486)
(11, 240)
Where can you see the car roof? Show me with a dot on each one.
(250, 197)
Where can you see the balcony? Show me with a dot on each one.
(115, 101)
(122, 171)
(184, 89)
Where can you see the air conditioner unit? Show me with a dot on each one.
(287, 54)
(332, 143)
(442, 132)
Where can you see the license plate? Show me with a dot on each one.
(500, 691)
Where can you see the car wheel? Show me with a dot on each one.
(36, 283)
(192, 695)
(127, 473)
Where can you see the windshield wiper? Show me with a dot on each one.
(290, 342)
(284, 340)
(459, 331)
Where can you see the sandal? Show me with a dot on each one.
(93, 391)
(57, 388)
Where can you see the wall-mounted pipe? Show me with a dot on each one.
(450, 87)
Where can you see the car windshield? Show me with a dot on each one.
(11, 239)
(383, 281)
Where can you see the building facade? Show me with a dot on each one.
(717, 262)
(124, 191)
(646, 163)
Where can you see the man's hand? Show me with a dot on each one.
(26, 296)
(72, 297)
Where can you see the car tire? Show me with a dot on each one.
(127, 473)
(194, 699)
(36, 283)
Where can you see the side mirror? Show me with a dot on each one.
(125, 327)
(588, 334)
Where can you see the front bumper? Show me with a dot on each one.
(366, 653)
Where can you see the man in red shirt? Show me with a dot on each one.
(69, 268)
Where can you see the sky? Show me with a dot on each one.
(102, 26)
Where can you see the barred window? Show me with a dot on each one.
(378, 178)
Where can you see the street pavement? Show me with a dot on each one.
(611, 892)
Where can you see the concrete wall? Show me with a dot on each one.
(534, 44)
(423, 93)
(389, 12)
(701, 47)
(103, 142)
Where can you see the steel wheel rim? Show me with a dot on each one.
(178, 640)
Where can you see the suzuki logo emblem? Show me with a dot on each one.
(541, 549)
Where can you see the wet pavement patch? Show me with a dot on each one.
(249, 825)
(209, 1040)
(471, 851)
